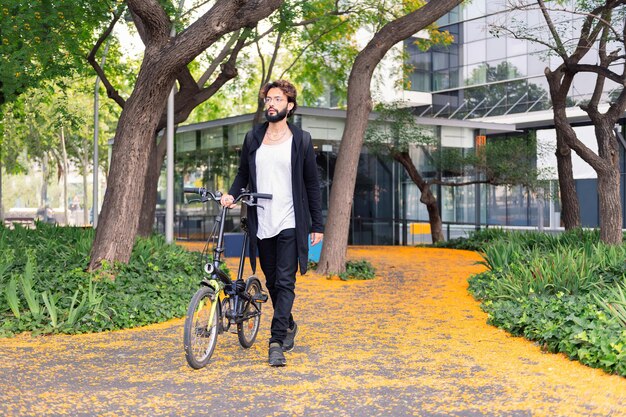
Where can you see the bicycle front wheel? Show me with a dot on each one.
(251, 314)
(200, 334)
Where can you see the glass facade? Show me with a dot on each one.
(386, 202)
(482, 74)
(486, 72)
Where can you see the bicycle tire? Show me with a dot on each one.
(249, 328)
(200, 336)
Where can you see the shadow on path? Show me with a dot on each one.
(410, 342)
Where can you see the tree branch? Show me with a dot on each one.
(604, 72)
(219, 58)
(560, 48)
(592, 107)
(91, 58)
(615, 109)
(519, 36)
(490, 181)
(307, 46)
(225, 16)
(186, 80)
(270, 67)
(312, 20)
(195, 7)
(188, 99)
(258, 49)
(587, 39)
(228, 72)
(155, 21)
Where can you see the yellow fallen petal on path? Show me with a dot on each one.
(410, 342)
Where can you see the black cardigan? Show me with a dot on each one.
(307, 201)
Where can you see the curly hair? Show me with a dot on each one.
(287, 88)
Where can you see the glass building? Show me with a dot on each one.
(386, 208)
(481, 85)
(481, 76)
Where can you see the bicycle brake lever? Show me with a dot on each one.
(253, 205)
(195, 200)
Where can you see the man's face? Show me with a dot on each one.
(276, 105)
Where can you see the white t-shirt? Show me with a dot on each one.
(273, 176)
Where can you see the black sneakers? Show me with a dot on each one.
(276, 356)
(290, 339)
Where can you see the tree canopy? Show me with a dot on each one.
(46, 39)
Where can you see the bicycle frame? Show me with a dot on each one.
(217, 279)
(215, 270)
(224, 287)
(230, 300)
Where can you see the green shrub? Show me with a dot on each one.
(565, 292)
(48, 290)
(359, 270)
(614, 303)
(477, 240)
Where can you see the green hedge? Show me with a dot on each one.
(46, 289)
(566, 292)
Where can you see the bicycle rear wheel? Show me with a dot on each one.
(201, 327)
(249, 328)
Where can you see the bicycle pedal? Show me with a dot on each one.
(260, 298)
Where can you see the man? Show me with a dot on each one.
(277, 158)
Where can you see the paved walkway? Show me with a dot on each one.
(410, 342)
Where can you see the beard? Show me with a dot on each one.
(273, 118)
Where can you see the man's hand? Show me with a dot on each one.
(316, 238)
(227, 201)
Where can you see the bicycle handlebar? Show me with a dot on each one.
(193, 190)
(261, 195)
(207, 195)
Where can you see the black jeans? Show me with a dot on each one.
(279, 262)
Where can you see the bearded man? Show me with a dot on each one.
(277, 158)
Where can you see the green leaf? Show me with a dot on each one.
(12, 298)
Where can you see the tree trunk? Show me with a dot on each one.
(333, 255)
(606, 165)
(119, 218)
(610, 207)
(434, 217)
(559, 83)
(188, 97)
(594, 35)
(258, 114)
(609, 201)
(148, 206)
(570, 208)
(427, 198)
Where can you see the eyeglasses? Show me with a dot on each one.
(277, 100)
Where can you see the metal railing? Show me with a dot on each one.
(363, 230)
